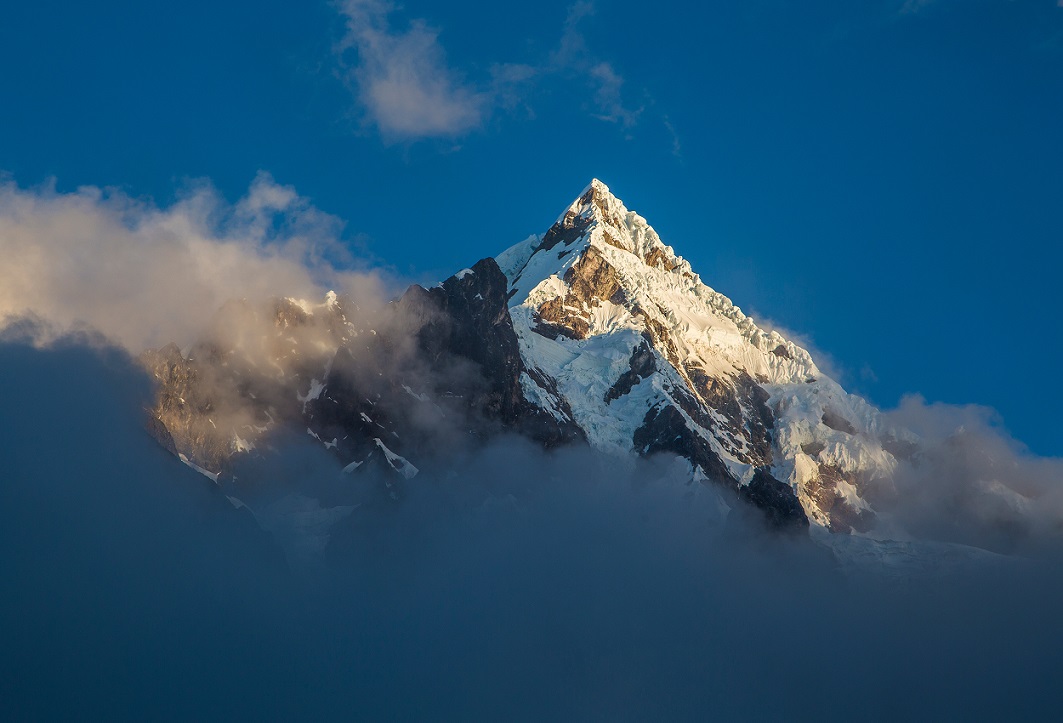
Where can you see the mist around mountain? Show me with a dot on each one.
(525, 571)
(595, 333)
(132, 588)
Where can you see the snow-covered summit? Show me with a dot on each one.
(649, 358)
(594, 330)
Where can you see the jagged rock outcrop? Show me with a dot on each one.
(436, 368)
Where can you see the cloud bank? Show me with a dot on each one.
(527, 587)
(145, 276)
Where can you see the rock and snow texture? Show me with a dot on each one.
(595, 330)
(648, 358)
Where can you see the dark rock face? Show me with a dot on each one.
(776, 499)
(743, 405)
(641, 366)
(440, 369)
(813, 448)
(466, 320)
(568, 229)
(666, 430)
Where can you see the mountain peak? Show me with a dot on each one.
(599, 221)
(597, 188)
(649, 358)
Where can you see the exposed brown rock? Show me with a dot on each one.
(591, 279)
(611, 219)
(842, 517)
(553, 319)
(743, 404)
(656, 257)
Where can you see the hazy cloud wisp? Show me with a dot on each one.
(530, 585)
(403, 79)
(409, 91)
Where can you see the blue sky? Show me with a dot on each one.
(885, 177)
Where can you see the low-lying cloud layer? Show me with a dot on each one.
(529, 587)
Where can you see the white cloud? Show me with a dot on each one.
(572, 45)
(608, 96)
(402, 78)
(144, 275)
(408, 90)
(972, 482)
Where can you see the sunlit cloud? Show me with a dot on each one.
(145, 275)
(402, 78)
(407, 89)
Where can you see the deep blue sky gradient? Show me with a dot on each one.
(887, 182)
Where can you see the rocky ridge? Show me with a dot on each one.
(593, 332)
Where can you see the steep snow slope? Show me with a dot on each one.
(649, 358)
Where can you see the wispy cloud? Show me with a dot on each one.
(407, 89)
(677, 147)
(402, 78)
(572, 54)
